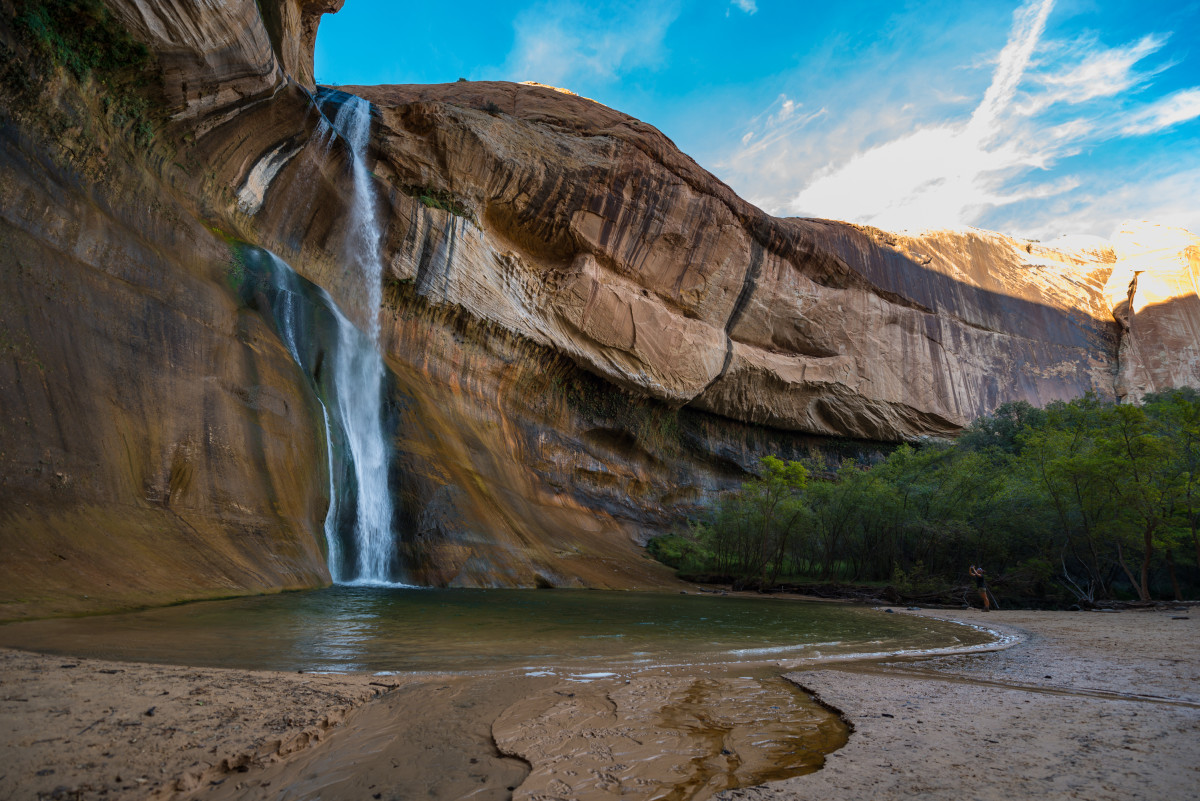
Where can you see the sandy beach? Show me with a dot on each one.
(1087, 705)
(1082, 705)
(89, 728)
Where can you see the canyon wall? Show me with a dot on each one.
(1153, 295)
(587, 334)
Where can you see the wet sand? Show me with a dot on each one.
(1088, 705)
(89, 728)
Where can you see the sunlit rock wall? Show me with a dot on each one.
(588, 335)
(1153, 293)
(585, 230)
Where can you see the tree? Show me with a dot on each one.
(1088, 493)
(753, 526)
(1142, 479)
(1177, 416)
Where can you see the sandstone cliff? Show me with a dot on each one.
(587, 333)
(156, 441)
(589, 232)
(1153, 295)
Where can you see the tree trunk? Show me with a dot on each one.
(1142, 594)
(1171, 572)
(1196, 542)
(1148, 539)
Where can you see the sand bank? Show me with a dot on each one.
(89, 728)
(1087, 705)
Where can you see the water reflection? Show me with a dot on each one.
(379, 629)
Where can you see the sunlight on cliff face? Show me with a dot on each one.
(1155, 263)
(548, 86)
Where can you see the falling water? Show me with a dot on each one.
(291, 308)
(343, 361)
(360, 370)
(350, 382)
(335, 354)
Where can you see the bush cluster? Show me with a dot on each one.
(1086, 500)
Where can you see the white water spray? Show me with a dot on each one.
(359, 369)
(349, 357)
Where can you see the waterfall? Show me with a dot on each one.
(343, 360)
(339, 359)
(364, 236)
(292, 309)
(360, 370)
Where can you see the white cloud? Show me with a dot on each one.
(1168, 198)
(1046, 102)
(561, 43)
(749, 6)
(1029, 21)
(937, 176)
(1171, 110)
(1102, 73)
(766, 145)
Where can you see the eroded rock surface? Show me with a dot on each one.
(588, 335)
(590, 233)
(156, 440)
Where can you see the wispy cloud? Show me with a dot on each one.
(563, 42)
(1046, 101)
(1167, 197)
(749, 6)
(1029, 21)
(1183, 106)
(1102, 72)
(936, 173)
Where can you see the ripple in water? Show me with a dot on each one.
(349, 628)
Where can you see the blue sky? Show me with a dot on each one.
(1036, 119)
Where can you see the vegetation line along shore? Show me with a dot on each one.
(1076, 503)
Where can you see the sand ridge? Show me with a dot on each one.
(90, 728)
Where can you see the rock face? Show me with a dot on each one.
(587, 334)
(1153, 294)
(590, 233)
(156, 441)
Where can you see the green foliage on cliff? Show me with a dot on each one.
(235, 270)
(440, 199)
(1084, 500)
(84, 38)
(652, 426)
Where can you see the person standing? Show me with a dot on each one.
(981, 585)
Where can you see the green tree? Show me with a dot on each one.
(1142, 477)
(1063, 456)
(1086, 494)
(1177, 415)
(752, 527)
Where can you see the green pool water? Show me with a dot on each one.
(401, 630)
